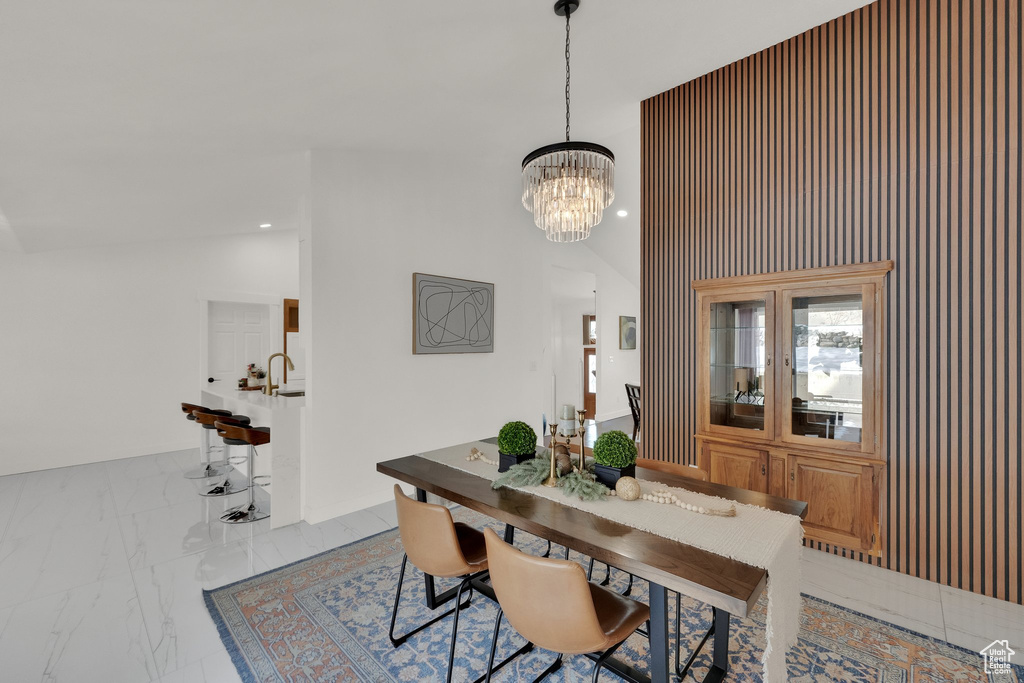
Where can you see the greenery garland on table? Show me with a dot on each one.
(530, 473)
(534, 472)
(585, 487)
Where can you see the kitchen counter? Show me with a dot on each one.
(258, 398)
(282, 457)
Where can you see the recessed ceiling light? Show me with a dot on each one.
(264, 225)
(622, 213)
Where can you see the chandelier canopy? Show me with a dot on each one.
(568, 185)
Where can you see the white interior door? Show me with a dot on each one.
(239, 334)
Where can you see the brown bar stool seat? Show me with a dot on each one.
(207, 466)
(551, 604)
(245, 435)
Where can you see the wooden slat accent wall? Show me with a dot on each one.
(893, 132)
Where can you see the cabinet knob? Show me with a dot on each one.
(768, 359)
(787, 360)
(763, 470)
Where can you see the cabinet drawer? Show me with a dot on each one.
(841, 499)
(745, 468)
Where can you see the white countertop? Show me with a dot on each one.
(258, 398)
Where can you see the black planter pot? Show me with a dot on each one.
(609, 475)
(506, 461)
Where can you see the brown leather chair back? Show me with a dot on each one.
(428, 535)
(548, 601)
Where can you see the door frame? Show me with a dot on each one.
(589, 351)
(206, 296)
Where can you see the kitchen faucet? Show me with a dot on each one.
(269, 389)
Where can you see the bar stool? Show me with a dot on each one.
(229, 485)
(204, 453)
(238, 435)
(206, 417)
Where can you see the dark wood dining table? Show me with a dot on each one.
(731, 587)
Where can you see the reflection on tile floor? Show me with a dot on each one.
(112, 592)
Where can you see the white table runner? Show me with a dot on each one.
(756, 536)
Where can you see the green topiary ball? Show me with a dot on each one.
(517, 438)
(615, 449)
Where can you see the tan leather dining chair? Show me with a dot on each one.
(440, 547)
(551, 604)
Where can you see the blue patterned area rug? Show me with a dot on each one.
(326, 618)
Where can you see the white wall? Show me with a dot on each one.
(567, 348)
(101, 345)
(615, 296)
(375, 219)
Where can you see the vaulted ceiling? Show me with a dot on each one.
(127, 121)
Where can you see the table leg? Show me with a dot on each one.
(659, 653)
(720, 658)
(510, 534)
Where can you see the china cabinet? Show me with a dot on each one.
(789, 393)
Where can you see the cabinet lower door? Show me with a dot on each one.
(841, 500)
(745, 468)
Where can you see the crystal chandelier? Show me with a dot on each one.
(568, 185)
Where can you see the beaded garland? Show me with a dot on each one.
(476, 454)
(668, 498)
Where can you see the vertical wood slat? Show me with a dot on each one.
(892, 132)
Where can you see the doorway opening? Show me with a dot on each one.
(237, 334)
(575, 339)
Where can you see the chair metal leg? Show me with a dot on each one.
(455, 627)
(629, 586)
(601, 660)
(607, 573)
(552, 668)
(494, 646)
(396, 641)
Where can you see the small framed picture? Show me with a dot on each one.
(627, 332)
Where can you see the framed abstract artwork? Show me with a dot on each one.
(450, 315)
(627, 332)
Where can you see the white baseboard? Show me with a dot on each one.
(115, 452)
(611, 415)
(322, 514)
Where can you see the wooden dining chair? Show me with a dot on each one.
(551, 604)
(633, 396)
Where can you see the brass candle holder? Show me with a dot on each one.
(581, 415)
(552, 479)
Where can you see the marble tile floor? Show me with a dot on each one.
(103, 567)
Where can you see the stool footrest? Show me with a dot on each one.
(246, 514)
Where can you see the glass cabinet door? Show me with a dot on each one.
(827, 367)
(740, 342)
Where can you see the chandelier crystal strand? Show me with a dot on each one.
(567, 186)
